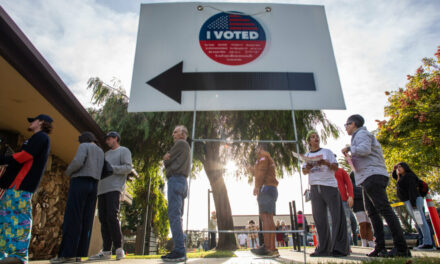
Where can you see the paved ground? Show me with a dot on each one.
(286, 256)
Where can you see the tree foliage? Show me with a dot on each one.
(412, 131)
(144, 142)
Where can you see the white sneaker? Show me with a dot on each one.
(102, 255)
(371, 244)
(364, 243)
(120, 253)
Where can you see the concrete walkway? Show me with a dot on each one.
(286, 256)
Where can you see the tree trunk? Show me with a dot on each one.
(214, 171)
(223, 210)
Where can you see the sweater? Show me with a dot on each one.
(264, 171)
(367, 155)
(179, 162)
(407, 187)
(88, 162)
(120, 159)
(26, 167)
(344, 184)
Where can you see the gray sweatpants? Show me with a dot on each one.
(324, 197)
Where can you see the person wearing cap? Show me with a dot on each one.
(85, 171)
(371, 173)
(20, 180)
(325, 198)
(109, 194)
(267, 193)
(177, 164)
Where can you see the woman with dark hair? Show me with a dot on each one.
(85, 171)
(408, 192)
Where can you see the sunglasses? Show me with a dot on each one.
(347, 124)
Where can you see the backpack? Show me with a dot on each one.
(423, 188)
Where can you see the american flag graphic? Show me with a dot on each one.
(232, 22)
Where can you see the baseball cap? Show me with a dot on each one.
(42, 117)
(113, 134)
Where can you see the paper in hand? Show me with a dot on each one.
(309, 160)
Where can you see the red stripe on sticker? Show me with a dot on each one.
(241, 24)
(239, 19)
(243, 28)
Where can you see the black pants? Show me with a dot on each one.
(324, 197)
(377, 205)
(108, 210)
(78, 217)
(212, 240)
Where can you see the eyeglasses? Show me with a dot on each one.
(347, 124)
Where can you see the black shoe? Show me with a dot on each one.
(394, 253)
(319, 254)
(174, 257)
(378, 252)
(424, 247)
(261, 251)
(338, 254)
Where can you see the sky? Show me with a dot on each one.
(376, 44)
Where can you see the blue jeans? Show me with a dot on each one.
(177, 192)
(347, 211)
(427, 240)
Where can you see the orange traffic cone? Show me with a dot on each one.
(315, 241)
(435, 220)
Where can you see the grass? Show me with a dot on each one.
(201, 254)
(416, 260)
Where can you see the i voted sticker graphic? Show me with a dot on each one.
(232, 38)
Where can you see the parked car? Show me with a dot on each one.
(411, 238)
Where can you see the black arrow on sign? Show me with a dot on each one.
(173, 81)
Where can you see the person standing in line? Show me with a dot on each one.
(266, 191)
(354, 230)
(252, 236)
(300, 221)
(85, 171)
(371, 173)
(177, 164)
(109, 196)
(346, 190)
(285, 235)
(364, 222)
(325, 196)
(279, 236)
(20, 180)
(242, 240)
(213, 228)
(408, 192)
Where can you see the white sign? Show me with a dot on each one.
(233, 56)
